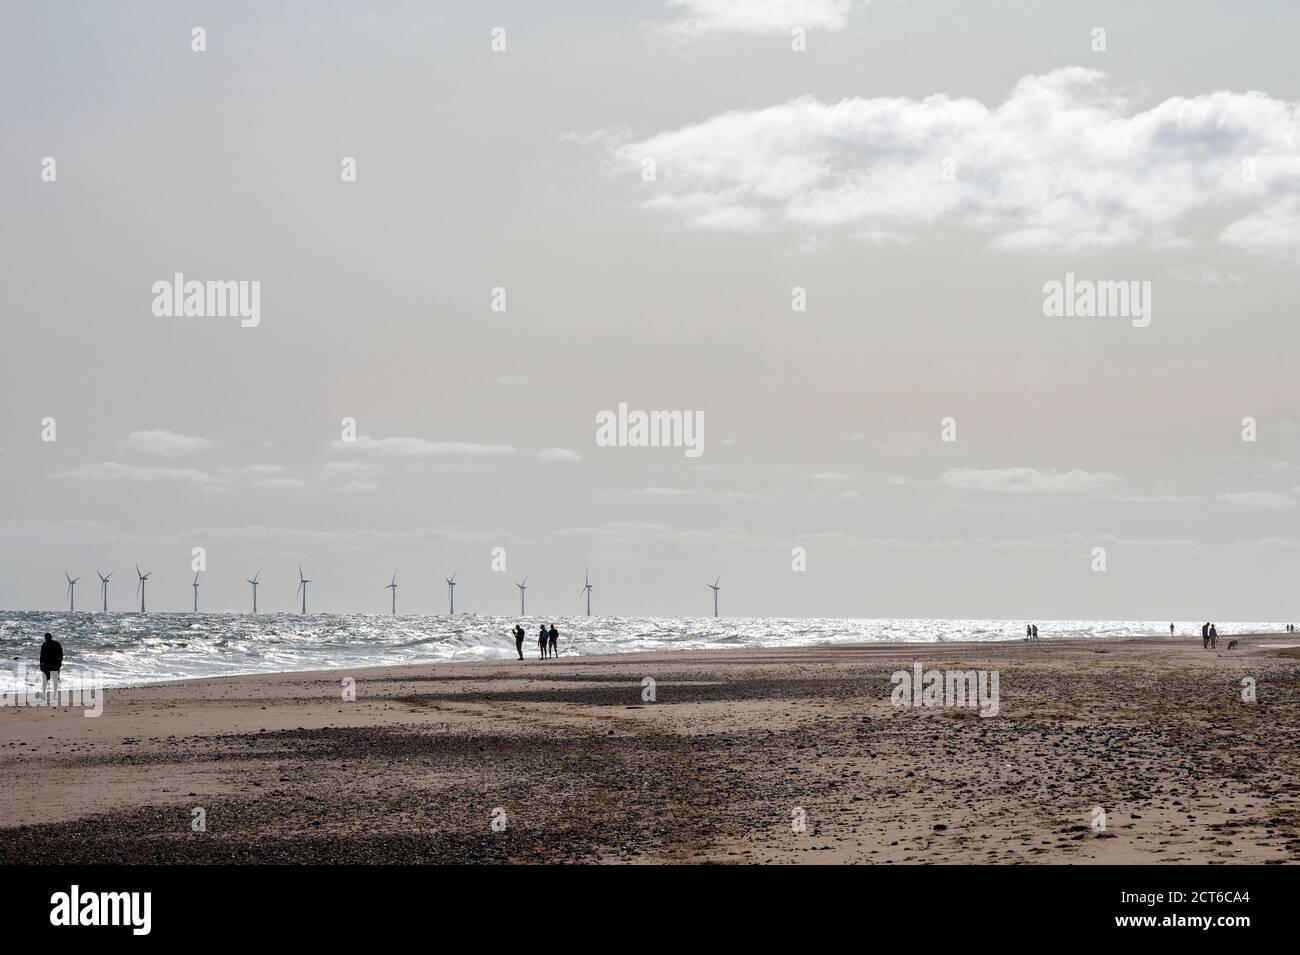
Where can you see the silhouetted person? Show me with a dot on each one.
(1171, 630)
(1035, 631)
(1205, 636)
(552, 638)
(519, 641)
(541, 640)
(1214, 637)
(51, 663)
(1029, 632)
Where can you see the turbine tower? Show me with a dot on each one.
(451, 594)
(715, 588)
(195, 585)
(523, 589)
(253, 580)
(302, 587)
(103, 587)
(139, 588)
(393, 588)
(72, 592)
(587, 590)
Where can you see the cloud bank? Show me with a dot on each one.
(1063, 161)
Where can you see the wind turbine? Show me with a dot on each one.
(523, 588)
(715, 588)
(139, 588)
(103, 586)
(586, 590)
(253, 581)
(302, 586)
(393, 588)
(72, 591)
(195, 585)
(451, 594)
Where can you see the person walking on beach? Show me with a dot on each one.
(1205, 636)
(51, 663)
(1029, 632)
(541, 641)
(519, 641)
(1214, 637)
(1171, 630)
(552, 638)
(1035, 633)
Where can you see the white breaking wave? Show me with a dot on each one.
(132, 649)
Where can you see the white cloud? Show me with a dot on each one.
(279, 482)
(1062, 161)
(559, 454)
(849, 495)
(661, 492)
(164, 444)
(1026, 480)
(1205, 275)
(697, 18)
(348, 467)
(1152, 498)
(830, 477)
(115, 471)
(402, 447)
(254, 470)
(250, 475)
(1257, 499)
(896, 481)
(356, 487)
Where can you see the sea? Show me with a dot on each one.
(122, 649)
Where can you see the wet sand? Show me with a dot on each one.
(564, 761)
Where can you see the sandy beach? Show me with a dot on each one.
(793, 755)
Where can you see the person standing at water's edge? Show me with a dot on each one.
(1205, 636)
(519, 641)
(51, 663)
(1214, 637)
(541, 641)
(1035, 628)
(553, 638)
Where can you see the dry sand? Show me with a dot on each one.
(580, 768)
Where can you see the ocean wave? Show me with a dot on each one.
(132, 649)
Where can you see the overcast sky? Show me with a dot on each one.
(921, 170)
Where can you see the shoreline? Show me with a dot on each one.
(576, 765)
(529, 645)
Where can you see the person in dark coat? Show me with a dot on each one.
(51, 663)
(541, 641)
(552, 638)
(519, 641)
